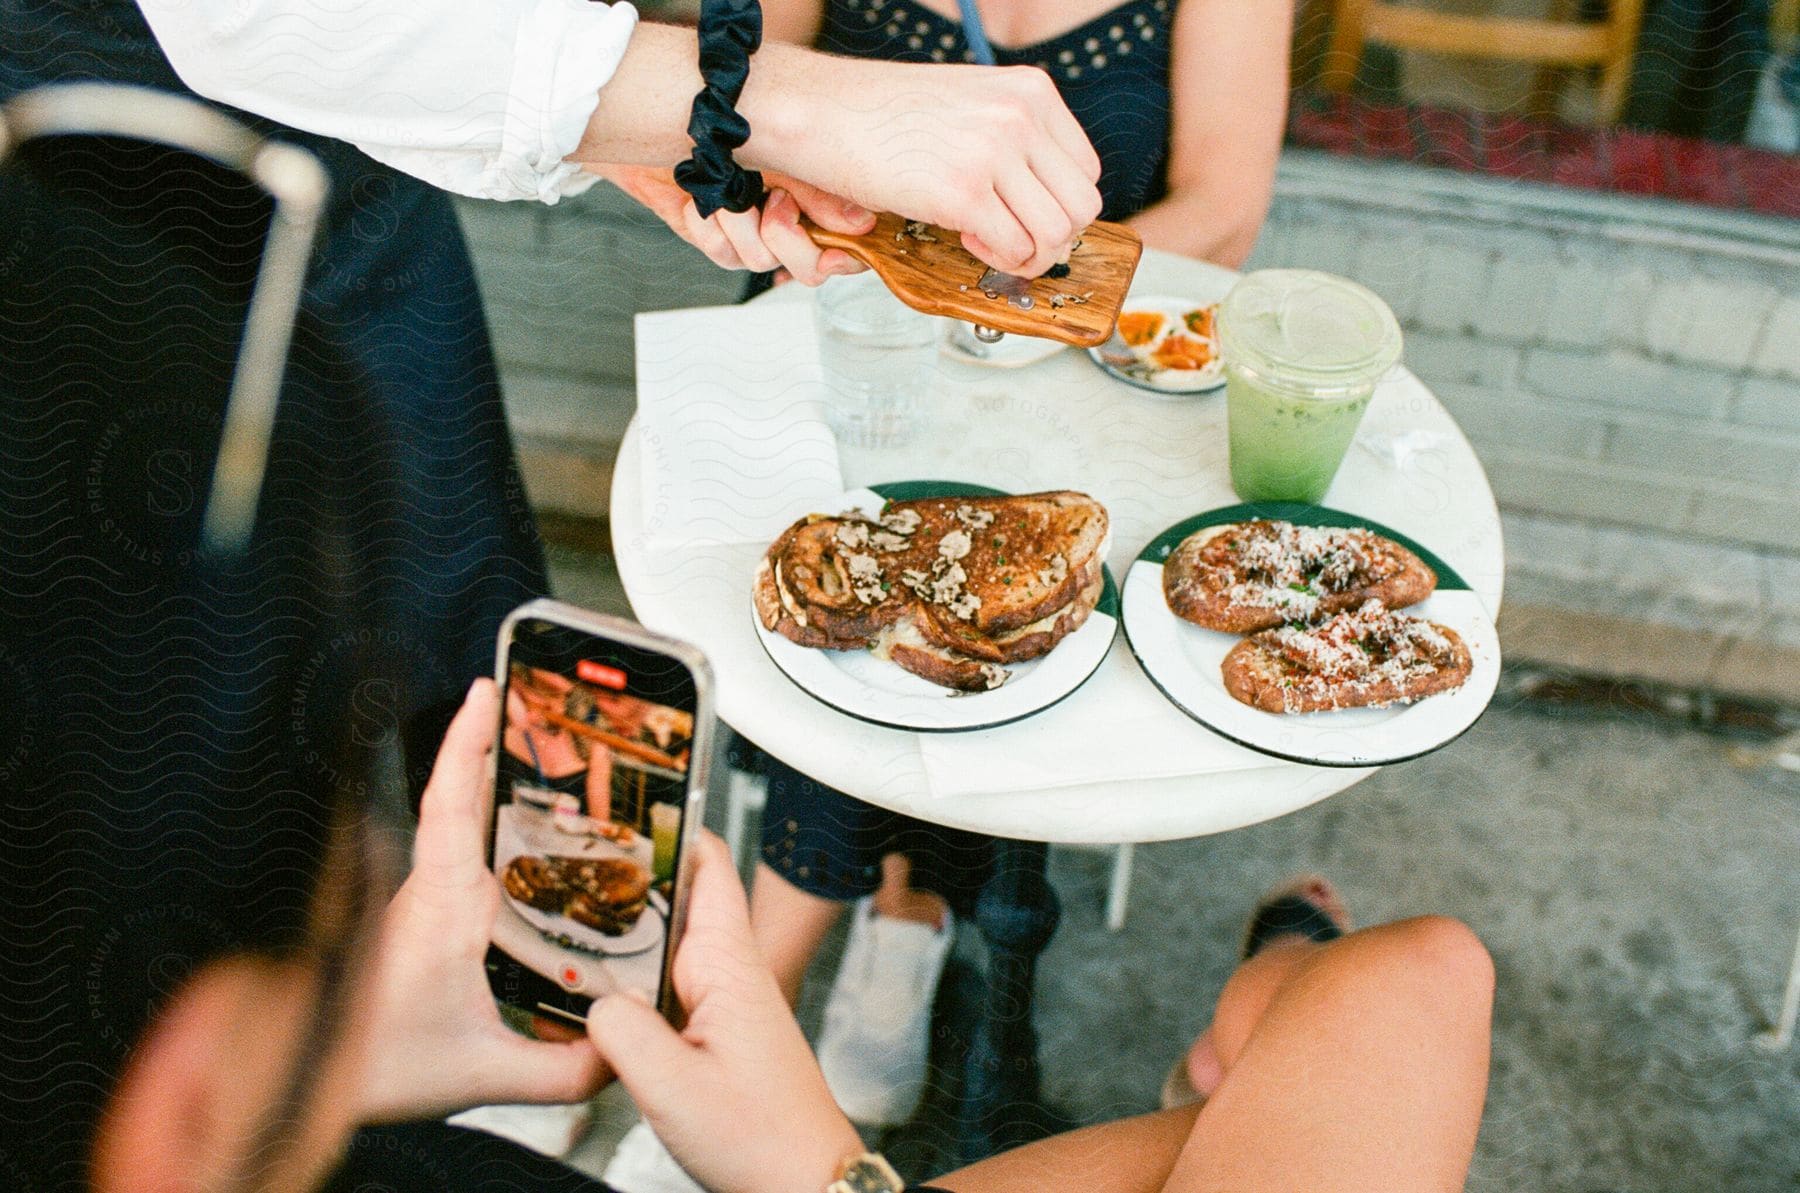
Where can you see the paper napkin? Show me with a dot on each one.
(731, 426)
(1115, 727)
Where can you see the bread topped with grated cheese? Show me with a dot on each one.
(950, 588)
(1366, 657)
(1248, 576)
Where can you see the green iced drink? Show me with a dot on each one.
(1303, 351)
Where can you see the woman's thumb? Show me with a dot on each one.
(635, 1040)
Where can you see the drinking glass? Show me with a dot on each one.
(875, 356)
(665, 830)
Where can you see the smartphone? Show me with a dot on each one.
(599, 773)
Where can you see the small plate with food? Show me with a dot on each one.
(1175, 343)
(937, 606)
(1311, 634)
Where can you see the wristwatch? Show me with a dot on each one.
(867, 1173)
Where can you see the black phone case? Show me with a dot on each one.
(524, 988)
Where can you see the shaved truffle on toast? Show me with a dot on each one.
(950, 588)
(1366, 657)
(1249, 576)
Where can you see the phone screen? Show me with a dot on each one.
(592, 794)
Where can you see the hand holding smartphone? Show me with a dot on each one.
(599, 779)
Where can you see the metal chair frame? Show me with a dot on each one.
(297, 183)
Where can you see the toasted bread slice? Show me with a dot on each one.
(906, 646)
(1249, 576)
(946, 587)
(1360, 658)
(829, 582)
(1003, 563)
(1029, 641)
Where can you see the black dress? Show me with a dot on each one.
(1113, 72)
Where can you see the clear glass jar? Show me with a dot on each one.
(1303, 351)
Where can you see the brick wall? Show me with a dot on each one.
(1612, 360)
(1629, 372)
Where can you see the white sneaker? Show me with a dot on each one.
(878, 1020)
(641, 1164)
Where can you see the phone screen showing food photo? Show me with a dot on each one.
(591, 800)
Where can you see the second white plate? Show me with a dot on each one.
(1183, 660)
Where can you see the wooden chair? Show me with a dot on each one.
(1555, 45)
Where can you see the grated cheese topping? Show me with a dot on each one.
(1355, 652)
(1277, 565)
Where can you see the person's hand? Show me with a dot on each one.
(736, 1096)
(436, 1042)
(990, 152)
(763, 239)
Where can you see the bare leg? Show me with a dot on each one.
(1357, 1065)
(897, 898)
(1243, 1001)
(789, 925)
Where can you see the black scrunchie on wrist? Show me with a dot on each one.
(730, 31)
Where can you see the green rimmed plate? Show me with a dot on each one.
(1183, 660)
(857, 683)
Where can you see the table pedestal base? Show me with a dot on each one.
(1017, 913)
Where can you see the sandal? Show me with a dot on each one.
(1307, 906)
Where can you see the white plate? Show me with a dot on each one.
(1011, 351)
(1166, 381)
(523, 829)
(1183, 660)
(865, 687)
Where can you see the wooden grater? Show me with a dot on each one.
(928, 269)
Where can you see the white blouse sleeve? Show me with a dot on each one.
(481, 97)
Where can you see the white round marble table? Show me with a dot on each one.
(1062, 424)
(1152, 461)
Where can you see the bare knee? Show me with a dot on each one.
(1449, 952)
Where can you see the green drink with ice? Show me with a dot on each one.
(1303, 351)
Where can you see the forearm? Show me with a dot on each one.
(642, 115)
(1208, 225)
